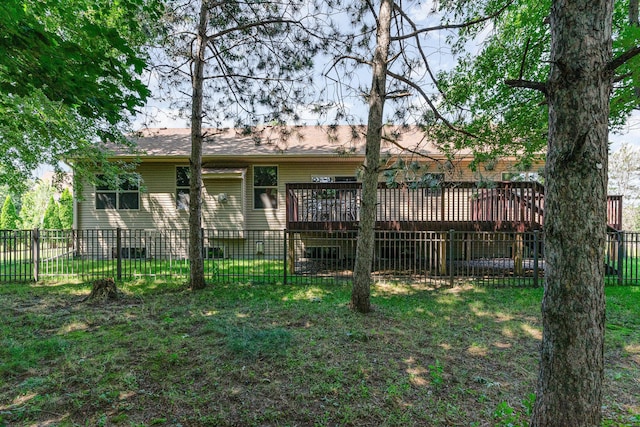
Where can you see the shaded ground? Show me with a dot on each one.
(273, 355)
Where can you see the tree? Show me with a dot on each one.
(579, 83)
(65, 209)
(51, 219)
(624, 180)
(401, 73)
(8, 217)
(246, 63)
(360, 295)
(624, 172)
(34, 204)
(69, 79)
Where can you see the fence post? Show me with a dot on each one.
(451, 235)
(118, 254)
(621, 256)
(285, 258)
(535, 258)
(35, 248)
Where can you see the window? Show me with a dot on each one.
(183, 181)
(265, 187)
(124, 195)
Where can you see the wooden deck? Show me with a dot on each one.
(505, 206)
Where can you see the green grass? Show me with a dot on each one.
(225, 270)
(274, 355)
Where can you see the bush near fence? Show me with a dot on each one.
(285, 256)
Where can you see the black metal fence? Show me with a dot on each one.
(437, 257)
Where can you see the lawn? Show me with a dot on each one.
(276, 355)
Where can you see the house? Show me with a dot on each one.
(305, 180)
(245, 176)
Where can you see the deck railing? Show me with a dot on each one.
(516, 206)
(614, 212)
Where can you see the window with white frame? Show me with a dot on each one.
(124, 194)
(183, 182)
(265, 187)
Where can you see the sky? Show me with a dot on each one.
(422, 13)
(629, 135)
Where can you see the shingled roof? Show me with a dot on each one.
(292, 141)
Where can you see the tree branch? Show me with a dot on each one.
(252, 25)
(446, 26)
(527, 84)
(434, 109)
(524, 59)
(622, 59)
(410, 150)
(621, 77)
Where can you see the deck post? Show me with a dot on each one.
(518, 249)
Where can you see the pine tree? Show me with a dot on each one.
(52, 216)
(9, 217)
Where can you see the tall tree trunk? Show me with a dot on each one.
(196, 261)
(360, 294)
(569, 389)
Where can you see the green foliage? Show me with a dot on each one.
(8, 217)
(508, 121)
(51, 219)
(34, 204)
(69, 77)
(65, 209)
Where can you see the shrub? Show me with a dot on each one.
(9, 217)
(66, 210)
(52, 216)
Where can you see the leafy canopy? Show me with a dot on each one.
(69, 78)
(480, 92)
